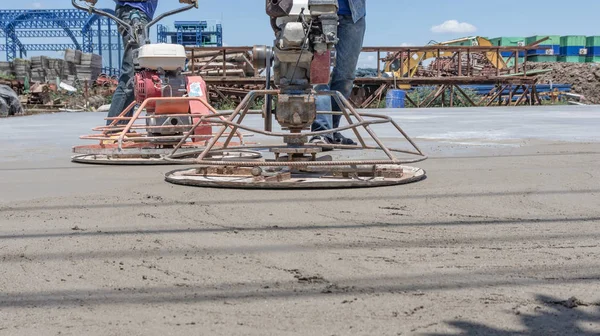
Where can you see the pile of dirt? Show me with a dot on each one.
(584, 78)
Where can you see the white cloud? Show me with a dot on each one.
(367, 61)
(37, 5)
(453, 26)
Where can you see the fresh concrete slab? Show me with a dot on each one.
(498, 238)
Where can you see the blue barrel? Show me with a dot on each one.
(395, 99)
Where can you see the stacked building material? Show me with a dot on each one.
(73, 56)
(210, 63)
(90, 67)
(6, 70)
(55, 69)
(69, 72)
(22, 69)
(473, 64)
(39, 65)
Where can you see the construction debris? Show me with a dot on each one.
(584, 78)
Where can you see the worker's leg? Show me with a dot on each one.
(348, 49)
(124, 94)
(323, 122)
(351, 36)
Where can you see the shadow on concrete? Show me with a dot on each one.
(318, 287)
(476, 243)
(310, 198)
(275, 227)
(552, 317)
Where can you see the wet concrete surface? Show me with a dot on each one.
(497, 239)
(50, 136)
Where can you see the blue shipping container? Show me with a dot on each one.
(571, 51)
(507, 54)
(593, 51)
(555, 50)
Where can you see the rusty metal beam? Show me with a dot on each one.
(412, 81)
(411, 101)
(397, 49)
(437, 94)
(465, 95)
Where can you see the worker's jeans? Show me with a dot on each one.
(124, 94)
(348, 49)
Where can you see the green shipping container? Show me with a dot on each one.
(512, 41)
(572, 59)
(593, 46)
(508, 41)
(592, 59)
(552, 39)
(573, 41)
(542, 58)
(593, 41)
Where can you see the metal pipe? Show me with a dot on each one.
(248, 98)
(367, 128)
(347, 116)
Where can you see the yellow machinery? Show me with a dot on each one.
(410, 68)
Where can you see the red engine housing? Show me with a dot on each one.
(320, 68)
(147, 85)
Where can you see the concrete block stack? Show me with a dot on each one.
(73, 56)
(76, 66)
(6, 69)
(90, 67)
(39, 65)
(69, 72)
(22, 69)
(55, 69)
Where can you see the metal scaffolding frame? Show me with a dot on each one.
(85, 30)
(192, 34)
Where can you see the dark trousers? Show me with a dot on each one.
(124, 94)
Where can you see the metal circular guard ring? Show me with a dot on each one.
(308, 180)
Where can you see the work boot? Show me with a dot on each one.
(320, 141)
(342, 140)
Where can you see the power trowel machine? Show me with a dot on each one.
(301, 56)
(167, 103)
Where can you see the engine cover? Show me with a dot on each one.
(147, 85)
(150, 84)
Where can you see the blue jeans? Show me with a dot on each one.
(348, 50)
(124, 94)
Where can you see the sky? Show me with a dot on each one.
(392, 22)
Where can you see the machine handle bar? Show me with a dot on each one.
(95, 10)
(127, 26)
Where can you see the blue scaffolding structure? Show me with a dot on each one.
(192, 34)
(88, 33)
